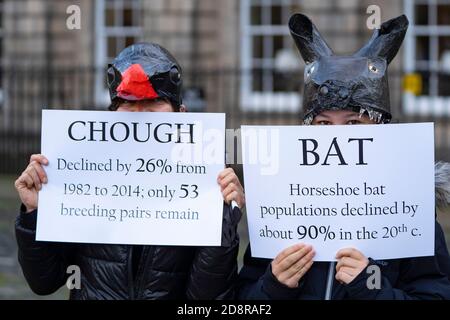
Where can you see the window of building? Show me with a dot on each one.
(427, 56)
(118, 25)
(269, 59)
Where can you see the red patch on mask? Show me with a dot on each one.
(135, 85)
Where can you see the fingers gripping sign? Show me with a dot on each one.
(231, 187)
(31, 180)
(291, 264)
(351, 262)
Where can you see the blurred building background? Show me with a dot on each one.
(237, 56)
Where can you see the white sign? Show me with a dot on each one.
(132, 178)
(370, 187)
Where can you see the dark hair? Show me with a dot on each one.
(117, 101)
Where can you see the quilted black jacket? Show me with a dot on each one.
(113, 272)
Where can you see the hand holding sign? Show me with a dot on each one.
(31, 180)
(351, 262)
(291, 264)
(231, 187)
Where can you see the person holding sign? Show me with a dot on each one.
(143, 78)
(344, 91)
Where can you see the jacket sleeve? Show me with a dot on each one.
(442, 254)
(214, 269)
(44, 264)
(419, 278)
(257, 282)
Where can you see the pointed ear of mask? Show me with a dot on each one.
(386, 41)
(307, 38)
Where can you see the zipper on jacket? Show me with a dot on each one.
(130, 273)
(141, 269)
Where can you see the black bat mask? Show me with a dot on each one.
(357, 82)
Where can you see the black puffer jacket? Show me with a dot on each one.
(113, 272)
(401, 279)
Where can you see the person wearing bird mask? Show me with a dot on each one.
(144, 77)
(347, 90)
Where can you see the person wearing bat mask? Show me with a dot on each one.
(347, 90)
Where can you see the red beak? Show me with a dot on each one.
(136, 85)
